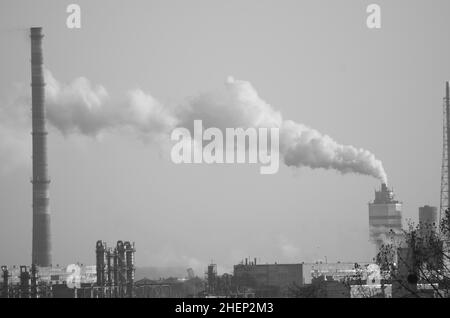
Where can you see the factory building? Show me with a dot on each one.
(327, 287)
(337, 271)
(385, 216)
(268, 280)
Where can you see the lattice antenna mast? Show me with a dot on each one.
(445, 174)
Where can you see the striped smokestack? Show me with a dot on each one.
(41, 213)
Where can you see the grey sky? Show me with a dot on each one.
(315, 61)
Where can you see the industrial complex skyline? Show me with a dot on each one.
(379, 90)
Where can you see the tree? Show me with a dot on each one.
(417, 264)
(366, 281)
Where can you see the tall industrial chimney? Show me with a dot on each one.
(445, 172)
(41, 255)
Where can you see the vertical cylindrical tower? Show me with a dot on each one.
(428, 221)
(100, 251)
(445, 173)
(115, 272)
(24, 282)
(41, 250)
(447, 128)
(109, 277)
(121, 266)
(5, 279)
(129, 258)
(34, 281)
(428, 215)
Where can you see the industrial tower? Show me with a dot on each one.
(41, 250)
(445, 174)
(385, 217)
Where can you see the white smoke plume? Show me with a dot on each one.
(80, 107)
(304, 146)
(300, 146)
(15, 138)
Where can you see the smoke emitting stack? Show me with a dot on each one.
(41, 250)
(385, 215)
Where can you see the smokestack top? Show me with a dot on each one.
(385, 195)
(36, 32)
